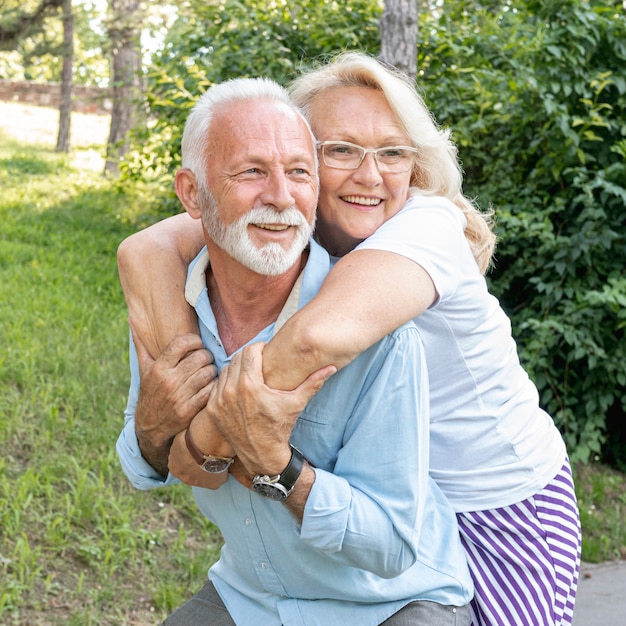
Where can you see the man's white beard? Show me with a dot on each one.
(269, 260)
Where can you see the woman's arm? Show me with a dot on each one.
(366, 295)
(152, 265)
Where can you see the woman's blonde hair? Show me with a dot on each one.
(437, 171)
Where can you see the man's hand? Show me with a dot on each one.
(174, 389)
(255, 419)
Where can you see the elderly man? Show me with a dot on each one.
(323, 499)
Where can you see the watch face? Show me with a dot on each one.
(216, 465)
(272, 491)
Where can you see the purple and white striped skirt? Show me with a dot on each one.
(525, 558)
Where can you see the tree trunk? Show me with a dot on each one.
(67, 79)
(398, 35)
(125, 33)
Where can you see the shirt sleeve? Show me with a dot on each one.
(367, 510)
(138, 471)
(429, 231)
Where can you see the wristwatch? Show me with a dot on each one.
(208, 462)
(280, 486)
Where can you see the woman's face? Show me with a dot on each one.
(354, 203)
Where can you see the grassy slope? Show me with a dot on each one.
(77, 544)
(75, 538)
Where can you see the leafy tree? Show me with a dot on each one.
(67, 79)
(398, 35)
(36, 53)
(215, 41)
(124, 28)
(24, 19)
(536, 94)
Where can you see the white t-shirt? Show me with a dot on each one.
(491, 443)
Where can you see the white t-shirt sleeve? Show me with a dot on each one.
(429, 231)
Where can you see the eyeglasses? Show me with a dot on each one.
(344, 155)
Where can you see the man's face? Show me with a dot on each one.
(262, 185)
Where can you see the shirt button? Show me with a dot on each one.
(263, 565)
(247, 521)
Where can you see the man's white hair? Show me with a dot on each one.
(195, 135)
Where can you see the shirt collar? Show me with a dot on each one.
(306, 286)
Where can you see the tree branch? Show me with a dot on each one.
(21, 25)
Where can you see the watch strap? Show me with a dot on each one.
(204, 460)
(292, 472)
(279, 487)
(193, 449)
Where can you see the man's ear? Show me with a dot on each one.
(186, 188)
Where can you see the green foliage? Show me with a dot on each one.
(231, 38)
(35, 53)
(536, 95)
(212, 42)
(24, 19)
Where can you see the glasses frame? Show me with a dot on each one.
(364, 152)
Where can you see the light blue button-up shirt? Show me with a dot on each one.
(377, 532)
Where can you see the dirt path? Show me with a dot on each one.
(33, 124)
(39, 125)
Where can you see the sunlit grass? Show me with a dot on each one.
(601, 495)
(75, 538)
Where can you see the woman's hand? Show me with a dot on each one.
(256, 420)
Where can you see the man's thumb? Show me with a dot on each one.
(315, 381)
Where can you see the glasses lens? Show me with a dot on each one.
(394, 159)
(348, 156)
(342, 156)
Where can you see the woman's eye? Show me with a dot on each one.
(346, 150)
(391, 153)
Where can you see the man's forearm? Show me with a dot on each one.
(155, 454)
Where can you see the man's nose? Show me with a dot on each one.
(278, 192)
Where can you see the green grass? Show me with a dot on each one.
(78, 545)
(601, 493)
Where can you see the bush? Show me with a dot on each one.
(537, 98)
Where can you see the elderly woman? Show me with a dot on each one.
(412, 246)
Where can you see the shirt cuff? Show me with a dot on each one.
(326, 512)
(138, 471)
